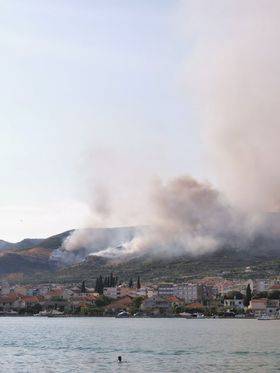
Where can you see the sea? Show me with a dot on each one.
(81, 344)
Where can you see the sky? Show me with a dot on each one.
(101, 99)
(83, 85)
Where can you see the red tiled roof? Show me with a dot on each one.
(275, 287)
(30, 299)
(9, 297)
(194, 305)
(174, 299)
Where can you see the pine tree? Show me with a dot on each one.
(248, 296)
(111, 280)
(106, 282)
(138, 282)
(97, 285)
(83, 287)
(101, 285)
(130, 285)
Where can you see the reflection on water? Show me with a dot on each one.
(34, 344)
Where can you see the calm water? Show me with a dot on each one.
(33, 344)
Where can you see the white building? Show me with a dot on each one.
(188, 292)
(261, 285)
(5, 288)
(166, 290)
(234, 303)
(113, 292)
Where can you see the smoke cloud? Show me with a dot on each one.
(233, 78)
(188, 217)
(232, 84)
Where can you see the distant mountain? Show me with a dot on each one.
(24, 244)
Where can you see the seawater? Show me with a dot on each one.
(38, 344)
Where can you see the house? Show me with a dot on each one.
(112, 292)
(5, 288)
(258, 306)
(19, 304)
(234, 300)
(273, 307)
(174, 300)
(261, 285)
(122, 304)
(55, 294)
(67, 294)
(6, 301)
(144, 292)
(30, 300)
(274, 288)
(156, 305)
(195, 306)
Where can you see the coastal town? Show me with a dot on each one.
(214, 297)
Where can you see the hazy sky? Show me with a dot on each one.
(85, 84)
(94, 97)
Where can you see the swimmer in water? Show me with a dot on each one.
(119, 359)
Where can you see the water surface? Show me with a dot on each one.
(34, 344)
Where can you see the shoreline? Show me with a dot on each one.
(141, 317)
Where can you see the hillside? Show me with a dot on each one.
(231, 262)
(29, 256)
(33, 264)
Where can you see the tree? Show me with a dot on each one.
(136, 303)
(97, 285)
(112, 280)
(138, 282)
(101, 285)
(106, 282)
(130, 285)
(248, 296)
(102, 301)
(83, 287)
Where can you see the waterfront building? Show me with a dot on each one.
(258, 306)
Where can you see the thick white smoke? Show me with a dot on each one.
(232, 84)
(188, 217)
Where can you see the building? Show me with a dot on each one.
(166, 290)
(273, 307)
(5, 288)
(156, 305)
(122, 304)
(235, 301)
(113, 292)
(261, 285)
(189, 292)
(258, 306)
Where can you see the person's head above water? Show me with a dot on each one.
(119, 359)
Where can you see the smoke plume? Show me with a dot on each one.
(188, 217)
(233, 78)
(232, 85)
